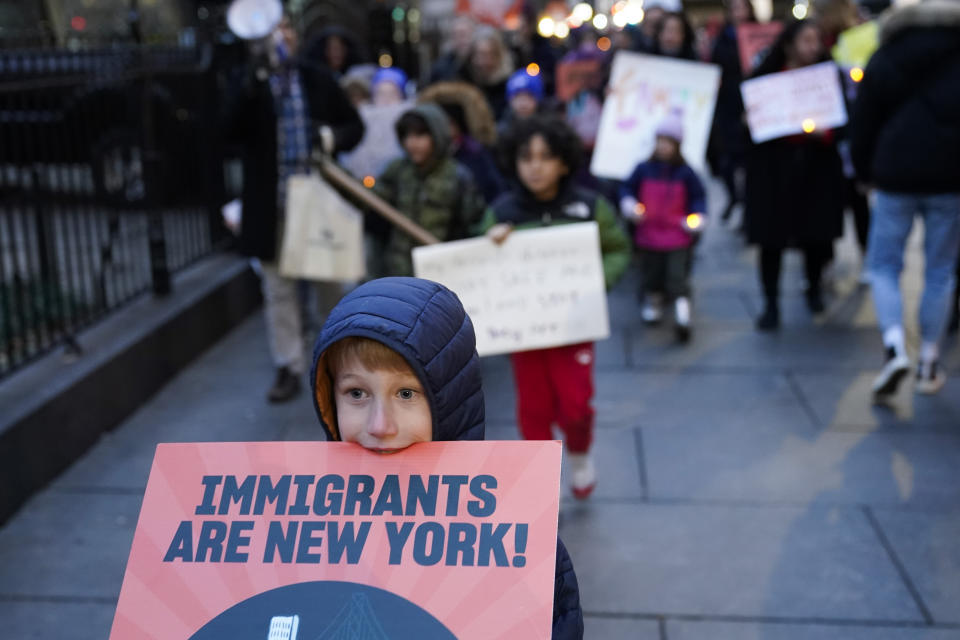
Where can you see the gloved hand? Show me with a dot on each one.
(694, 223)
(631, 209)
(327, 140)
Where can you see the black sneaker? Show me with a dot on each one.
(285, 387)
(815, 302)
(930, 378)
(896, 367)
(769, 320)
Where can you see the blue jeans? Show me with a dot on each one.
(893, 215)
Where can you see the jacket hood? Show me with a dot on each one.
(480, 120)
(439, 127)
(928, 13)
(425, 323)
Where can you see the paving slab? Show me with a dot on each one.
(68, 545)
(683, 630)
(26, 620)
(616, 455)
(844, 401)
(676, 398)
(927, 545)
(815, 348)
(812, 563)
(606, 629)
(736, 462)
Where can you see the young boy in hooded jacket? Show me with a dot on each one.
(427, 185)
(555, 384)
(396, 364)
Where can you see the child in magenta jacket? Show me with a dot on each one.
(665, 201)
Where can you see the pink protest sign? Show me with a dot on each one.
(301, 540)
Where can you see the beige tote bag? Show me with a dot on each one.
(323, 233)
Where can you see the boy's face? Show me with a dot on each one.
(539, 169)
(419, 146)
(523, 105)
(381, 410)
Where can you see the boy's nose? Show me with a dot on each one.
(382, 423)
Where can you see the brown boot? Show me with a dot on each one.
(285, 387)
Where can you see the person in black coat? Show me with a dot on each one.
(794, 193)
(729, 137)
(418, 329)
(281, 94)
(906, 142)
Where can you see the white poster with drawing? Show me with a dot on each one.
(643, 90)
(791, 102)
(541, 288)
(379, 146)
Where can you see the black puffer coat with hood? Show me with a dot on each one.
(425, 323)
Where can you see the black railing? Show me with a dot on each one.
(109, 181)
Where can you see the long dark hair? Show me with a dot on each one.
(687, 51)
(776, 58)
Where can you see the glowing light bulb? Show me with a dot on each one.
(694, 221)
(799, 11)
(583, 12)
(533, 69)
(856, 74)
(604, 44)
(546, 27)
(808, 126)
(600, 22)
(369, 181)
(562, 30)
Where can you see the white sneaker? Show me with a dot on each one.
(584, 476)
(651, 313)
(930, 378)
(681, 317)
(896, 367)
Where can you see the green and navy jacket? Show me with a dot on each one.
(441, 197)
(573, 204)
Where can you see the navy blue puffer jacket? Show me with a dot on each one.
(425, 323)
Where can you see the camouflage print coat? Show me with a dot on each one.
(441, 196)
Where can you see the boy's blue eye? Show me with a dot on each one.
(407, 394)
(356, 394)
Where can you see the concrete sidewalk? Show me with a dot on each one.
(747, 487)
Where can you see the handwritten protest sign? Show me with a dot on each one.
(643, 90)
(300, 540)
(754, 39)
(792, 102)
(574, 76)
(540, 288)
(500, 13)
(379, 145)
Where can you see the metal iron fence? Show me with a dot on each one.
(109, 180)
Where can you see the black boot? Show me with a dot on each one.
(769, 320)
(815, 301)
(285, 387)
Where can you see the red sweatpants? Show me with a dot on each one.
(556, 385)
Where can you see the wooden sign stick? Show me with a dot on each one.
(343, 180)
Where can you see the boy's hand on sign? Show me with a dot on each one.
(499, 232)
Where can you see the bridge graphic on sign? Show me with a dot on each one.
(356, 621)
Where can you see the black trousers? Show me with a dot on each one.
(815, 257)
(665, 272)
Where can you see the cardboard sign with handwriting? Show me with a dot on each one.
(643, 90)
(792, 102)
(541, 288)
